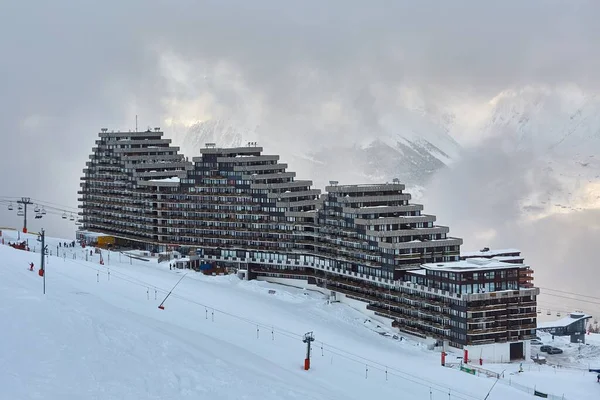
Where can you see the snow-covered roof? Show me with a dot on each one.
(91, 234)
(489, 253)
(508, 258)
(471, 264)
(564, 322)
(417, 272)
(172, 179)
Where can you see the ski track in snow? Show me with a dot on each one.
(107, 340)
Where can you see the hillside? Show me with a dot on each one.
(98, 333)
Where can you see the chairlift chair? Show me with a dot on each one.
(548, 313)
(20, 207)
(539, 311)
(20, 213)
(72, 218)
(64, 216)
(558, 314)
(10, 207)
(43, 211)
(37, 208)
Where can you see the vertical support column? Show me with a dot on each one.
(308, 339)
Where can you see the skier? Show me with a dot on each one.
(170, 267)
(598, 378)
(31, 267)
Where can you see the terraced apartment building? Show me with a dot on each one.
(363, 244)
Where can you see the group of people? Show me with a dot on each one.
(65, 244)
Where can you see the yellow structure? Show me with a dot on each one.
(104, 241)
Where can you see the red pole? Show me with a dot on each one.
(306, 364)
(466, 360)
(443, 359)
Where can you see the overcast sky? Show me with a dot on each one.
(307, 72)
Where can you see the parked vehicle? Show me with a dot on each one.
(536, 342)
(545, 348)
(555, 350)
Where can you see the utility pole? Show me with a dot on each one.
(25, 201)
(43, 265)
(308, 339)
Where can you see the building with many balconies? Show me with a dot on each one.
(366, 245)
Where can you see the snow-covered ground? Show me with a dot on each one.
(98, 334)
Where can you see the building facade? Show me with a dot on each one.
(363, 244)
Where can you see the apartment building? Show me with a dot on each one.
(117, 183)
(367, 245)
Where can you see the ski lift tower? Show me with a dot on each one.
(308, 339)
(25, 201)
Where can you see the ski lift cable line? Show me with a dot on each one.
(561, 308)
(578, 300)
(280, 331)
(565, 292)
(47, 204)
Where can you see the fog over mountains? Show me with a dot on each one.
(487, 110)
(552, 134)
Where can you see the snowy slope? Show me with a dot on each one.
(101, 335)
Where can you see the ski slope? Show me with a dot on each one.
(97, 333)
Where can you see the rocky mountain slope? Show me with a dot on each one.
(555, 130)
(410, 154)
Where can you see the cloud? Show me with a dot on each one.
(479, 197)
(309, 74)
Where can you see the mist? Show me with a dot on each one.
(304, 76)
(479, 197)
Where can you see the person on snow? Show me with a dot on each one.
(598, 378)
(31, 267)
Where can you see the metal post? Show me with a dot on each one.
(43, 265)
(308, 339)
(25, 201)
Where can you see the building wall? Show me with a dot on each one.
(242, 208)
(496, 352)
(490, 353)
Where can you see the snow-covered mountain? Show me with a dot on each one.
(410, 148)
(559, 129)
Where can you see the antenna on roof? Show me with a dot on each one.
(333, 183)
(136, 122)
(157, 129)
(104, 130)
(396, 180)
(210, 145)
